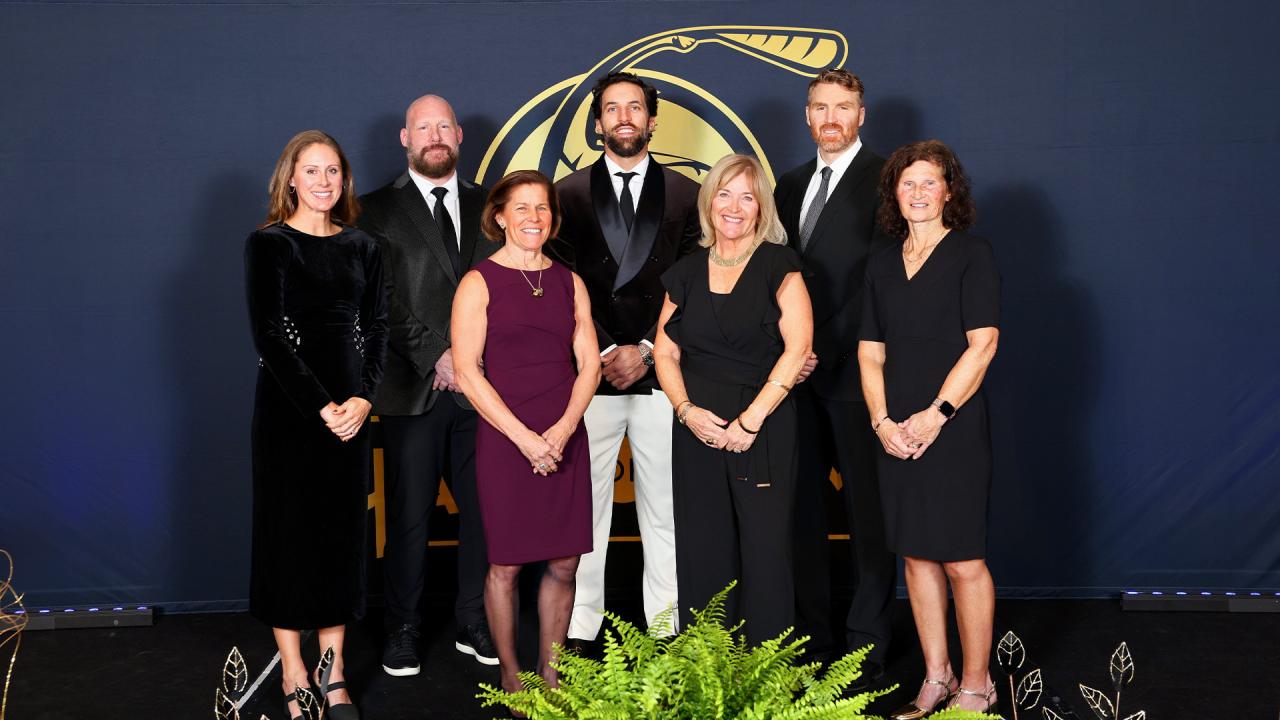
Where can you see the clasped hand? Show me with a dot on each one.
(908, 440)
(545, 451)
(623, 366)
(706, 426)
(345, 420)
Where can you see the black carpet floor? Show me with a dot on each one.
(1189, 665)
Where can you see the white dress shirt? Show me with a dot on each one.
(838, 166)
(426, 185)
(636, 182)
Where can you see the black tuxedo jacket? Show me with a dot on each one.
(626, 293)
(835, 264)
(420, 285)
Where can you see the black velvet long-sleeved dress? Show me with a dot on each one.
(317, 306)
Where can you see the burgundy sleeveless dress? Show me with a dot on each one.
(528, 358)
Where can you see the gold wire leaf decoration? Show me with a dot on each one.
(1099, 703)
(13, 620)
(235, 674)
(224, 708)
(326, 660)
(1140, 715)
(308, 703)
(1122, 669)
(1029, 690)
(1010, 653)
(1049, 714)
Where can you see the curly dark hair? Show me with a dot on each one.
(500, 195)
(959, 212)
(613, 78)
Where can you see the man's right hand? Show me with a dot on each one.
(445, 378)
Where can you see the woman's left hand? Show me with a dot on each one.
(922, 429)
(736, 439)
(557, 436)
(350, 416)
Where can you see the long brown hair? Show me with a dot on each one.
(957, 214)
(284, 202)
(500, 195)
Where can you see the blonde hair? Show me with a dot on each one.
(768, 224)
(283, 203)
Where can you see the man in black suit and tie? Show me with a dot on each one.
(428, 221)
(828, 207)
(626, 220)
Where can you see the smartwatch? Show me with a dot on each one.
(944, 407)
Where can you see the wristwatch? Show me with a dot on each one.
(944, 407)
(646, 355)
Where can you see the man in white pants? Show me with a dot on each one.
(626, 219)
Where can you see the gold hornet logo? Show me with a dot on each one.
(554, 131)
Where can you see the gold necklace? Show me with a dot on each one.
(722, 261)
(927, 248)
(537, 291)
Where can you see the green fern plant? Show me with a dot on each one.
(708, 672)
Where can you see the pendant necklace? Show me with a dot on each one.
(927, 248)
(537, 291)
(731, 262)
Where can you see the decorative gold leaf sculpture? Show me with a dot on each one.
(1029, 690)
(235, 674)
(1010, 653)
(1122, 669)
(224, 708)
(1049, 714)
(1140, 715)
(13, 620)
(326, 662)
(308, 703)
(1099, 703)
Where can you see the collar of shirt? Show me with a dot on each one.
(636, 182)
(425, 185)
(838, 167)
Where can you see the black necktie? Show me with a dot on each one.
(627, 202)
(815, 209)
(447, 232)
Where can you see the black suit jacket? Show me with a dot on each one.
(420, 285)
(626, 293)
(835, 264)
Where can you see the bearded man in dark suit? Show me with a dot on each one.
(828, 207)
(428, 221)
(626, 220)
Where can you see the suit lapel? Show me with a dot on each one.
(471, 205)
(858, 172)
(648, 222)
(612, 227)
(415, 207)
(795, 202)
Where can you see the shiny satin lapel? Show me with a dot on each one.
(411, 200)
(647, 225)
(612, 226)
(858, 172)
(471, 205)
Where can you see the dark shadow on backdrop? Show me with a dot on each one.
(1042, 395)
(213, 368)
(891, 123)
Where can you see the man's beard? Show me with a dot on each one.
(836, 144)
(435, 170)
(630, 147)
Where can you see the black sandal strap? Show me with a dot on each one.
(338, 685)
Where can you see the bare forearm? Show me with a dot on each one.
(785, 371)
(966, 376)
(872, 375)
(584, 388)
(488, 403)
(670, 378)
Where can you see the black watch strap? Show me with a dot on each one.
(944, 407)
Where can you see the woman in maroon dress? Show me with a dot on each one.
(526, 356)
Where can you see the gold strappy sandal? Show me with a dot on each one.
(911, 711)
(989, 696)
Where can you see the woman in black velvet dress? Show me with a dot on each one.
(929, 329)
(317, 307)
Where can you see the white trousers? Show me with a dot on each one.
(645, 420)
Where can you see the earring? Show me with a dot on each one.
(290, 189)
(502, 226)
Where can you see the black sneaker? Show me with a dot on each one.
(400, 656)
(475, 640)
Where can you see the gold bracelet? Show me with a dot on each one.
(879, 422)
(681, 415)
(780, 384)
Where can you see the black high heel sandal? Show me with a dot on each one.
(342, 711)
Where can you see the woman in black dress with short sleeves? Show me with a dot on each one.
(317, 307)
(734, 332)
(928, 333)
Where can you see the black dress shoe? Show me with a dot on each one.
(475, 640)
(872, 674)
(593, 649)
(400, 656)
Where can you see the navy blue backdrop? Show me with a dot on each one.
(1122, 158)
